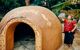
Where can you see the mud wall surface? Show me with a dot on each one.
(45, 24)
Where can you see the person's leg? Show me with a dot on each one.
(69, 45)
(68, 39)
(72, 36)
(71, 41)
(65, 37)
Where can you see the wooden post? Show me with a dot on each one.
(27, 2)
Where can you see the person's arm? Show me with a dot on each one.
(74, 28)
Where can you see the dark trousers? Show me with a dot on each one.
(69, 37)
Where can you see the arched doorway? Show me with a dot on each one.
(20, 35)
(24, 37)
(9, 33)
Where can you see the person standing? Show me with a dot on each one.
(69, 30)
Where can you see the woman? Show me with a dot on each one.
(69, 30)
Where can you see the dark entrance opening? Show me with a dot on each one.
(24, 37)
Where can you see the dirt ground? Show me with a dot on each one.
(26, 44)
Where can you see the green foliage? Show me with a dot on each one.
(59, 6)
(7, 5)
(54, 5)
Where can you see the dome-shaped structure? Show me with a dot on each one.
(45, 24)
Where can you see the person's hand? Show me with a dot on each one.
(72, 31)
(69, 31)
(62, 19)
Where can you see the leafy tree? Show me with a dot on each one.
(7, 5)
